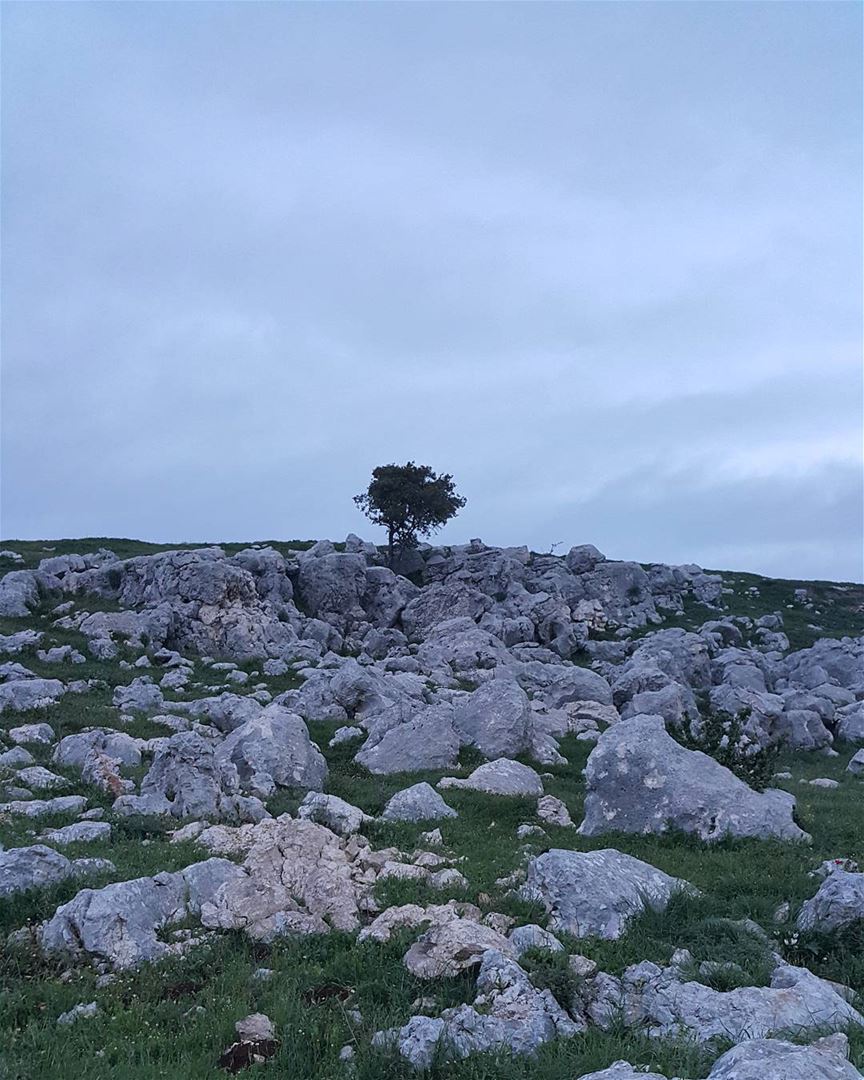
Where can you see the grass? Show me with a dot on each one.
(201, 996)
(174, 1019)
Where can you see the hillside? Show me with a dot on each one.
(455, 819)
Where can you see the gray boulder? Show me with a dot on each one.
(850, 723)
(332, 585)
(639, 780)
(496, 719)
(531, 936)
(12, 644)
(623, 1070)
(500, 777)
(19, 593)
(272, 750)
(36, 808)
(226, 711)
(439, 602)
(81, 832)
(187, 779)
(385, 596)
(427, 741)
(583, 558)
(141, 695)
(509, 1014)
(662, 1003)
(596, 893)
(31, 868)
(856, 763)
(337, 815)
(121, 924)
(838, 903)
(775, 1059)
(451, 946)
(73, 749)
(421, 802)
(24, 694)
(41, 734)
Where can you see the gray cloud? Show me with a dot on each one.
(602, 262)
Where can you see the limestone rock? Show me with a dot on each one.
(509, 1014)
(450, 947)
(339, 816)
(273, 749)
(639, 780)
(775, 1059)
(421, 802)
(596, 893)
(838, 903)
(501, 777)
(496, 719)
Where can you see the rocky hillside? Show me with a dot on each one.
(502, 814)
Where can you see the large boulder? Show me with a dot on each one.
(496, 719)
(297, 877)
(337, 815)
(838, 903)
(273, 749)
(187, 779)
(31, 868)
(596, 893)
(427, 741)
(452, 946)
(640, 780)
(385, 596)
(664, 1004)
(440, 602)
(19, 593)
(23, 695)
(121, 924)
(332, 585)
(776, 1059)
(849, 722)
(73, 749)
(225, 711)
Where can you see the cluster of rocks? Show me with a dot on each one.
(498, 651)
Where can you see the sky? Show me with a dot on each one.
(600, 261)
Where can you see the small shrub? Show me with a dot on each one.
(722, 736)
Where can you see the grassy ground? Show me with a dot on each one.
(174, 1019)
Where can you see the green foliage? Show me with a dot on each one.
(409, 501)
(722, 737)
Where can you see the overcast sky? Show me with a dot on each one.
(602, 262)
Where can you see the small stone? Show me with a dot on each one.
(79, 1012)
(257, 1027)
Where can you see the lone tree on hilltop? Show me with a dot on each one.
(410, 501)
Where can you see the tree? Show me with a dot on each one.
(410, 501)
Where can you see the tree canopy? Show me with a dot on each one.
(409, 501)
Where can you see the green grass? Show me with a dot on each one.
(174, 1019)
(136, 1033)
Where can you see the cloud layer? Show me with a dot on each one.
(602, 262)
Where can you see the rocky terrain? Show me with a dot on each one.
(502, 814)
